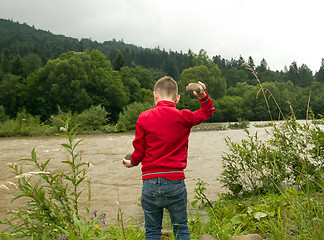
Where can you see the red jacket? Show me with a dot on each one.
(161, 138)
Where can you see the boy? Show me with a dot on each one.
(161, 145)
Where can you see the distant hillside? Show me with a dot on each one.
(29, 82)
(18, 39)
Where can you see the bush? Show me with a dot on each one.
(293, 157)
(24, 125)
(9, 128)
(92, 118)
(127, 119)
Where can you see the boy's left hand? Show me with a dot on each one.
(127, 163)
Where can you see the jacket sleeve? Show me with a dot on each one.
(138, 144)
(206, 111)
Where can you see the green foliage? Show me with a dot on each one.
(143, 76)
(23, 125)
(52, 199)
(9, 93)
(75, 81)
(210, 75)
(138, 83)
(131, 232)
(92, 118)
(3, 116)
(289, 215)
(119, 61)
(294, 215)
(228, 108)
(292, 157)
(84, 230)
(128, 118)
(235, 76)
(319, 76)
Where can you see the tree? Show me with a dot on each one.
(319, 76)
(317, 96)
(251, 62)
(268, 76)
(190, 59)
(17, 66)
(119, 61)
(234, 76)
(30, 63)
(305, 76)
(293, 73)
(143, 76)
(75, 81)
(206, 71)
(216, 86)
(10, 86)
(229, 108)
(170, 67)
(263, 66)
(203, 59)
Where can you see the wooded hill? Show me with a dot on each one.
(41, 72)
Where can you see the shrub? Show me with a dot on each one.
(127, 119)
(23, 125)
(92, 118)
(292, 157)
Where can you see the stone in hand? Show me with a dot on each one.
(194, 87)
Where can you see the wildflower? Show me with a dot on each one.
(103, 218)
(95, 213)
(63, 237)
(97, 227)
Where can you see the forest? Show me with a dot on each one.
(44, 75)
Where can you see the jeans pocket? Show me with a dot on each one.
(176, 191)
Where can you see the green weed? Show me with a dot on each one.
(52, 198)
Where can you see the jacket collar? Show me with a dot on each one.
(165, 103)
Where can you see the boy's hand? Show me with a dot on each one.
(202, 93)
(127, 163)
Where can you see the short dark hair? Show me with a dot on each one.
(166, 87)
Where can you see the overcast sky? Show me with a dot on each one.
(281, 31)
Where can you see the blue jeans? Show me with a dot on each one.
(160, 193)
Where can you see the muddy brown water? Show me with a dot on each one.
(114, 186)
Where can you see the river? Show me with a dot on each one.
(114, 186)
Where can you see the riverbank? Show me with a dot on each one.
(23, 129)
